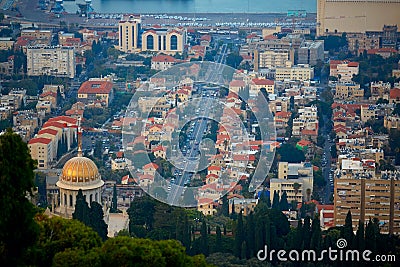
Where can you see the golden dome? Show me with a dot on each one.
(80, 170)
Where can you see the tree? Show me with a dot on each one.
(114, 203)
(58, 235)
(347, 229)
(18, 230)
(283, 204)
(218, 239)
(204, 238)
(275, 200)
(82, 210)
(225, 206)
(360, 240)
(239, 235)
(96, 220)
(316, 237)
(289, 153)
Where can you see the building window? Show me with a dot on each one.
(65, 200)
(91, 199)
(174, 42)
(150, 42)
(70, 200)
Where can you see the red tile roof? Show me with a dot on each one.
(237, 83)
(150, 165)
(63, 119)
(48, 131)
(304, 143)
(214, 168)
(55, 124)
(95, 87)
(244, 157)
(164, 58)
(395, 93)
(262, 82)
(40, 140)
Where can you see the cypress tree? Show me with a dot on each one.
(209, 229)
(82, 210)
(218, 239)
(360, 240)
(347, 229)
(114, 203)
(306, 233)
(299, 235)
(239, 235)
(96, 217)
(275, 201)
(225, 206)
(224, 229)
(283, 204)
(370, 236)
(204, 238)
(250, 235)
(316, 234)
(243, 251)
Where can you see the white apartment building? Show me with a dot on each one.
(51, 60)
(300, 72)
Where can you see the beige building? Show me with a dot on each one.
(129, 34)
(369, 198)
(96, 91)
(300, 72)
(391, 122)
(348, 91)
(296, 179)
(40, 36)
(356, 16)
(41, 149)
(368, 113)
(6, 43)
(51, 60)
(244, 205)
(359, 42)
(271, 59)
(165, 40)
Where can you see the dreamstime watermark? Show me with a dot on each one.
(195, 116)
(330, 254)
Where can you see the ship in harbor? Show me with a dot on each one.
(85, 8)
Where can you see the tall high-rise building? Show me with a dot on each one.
(352, 16)
(129, 29)
(369, 198)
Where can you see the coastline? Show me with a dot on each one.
(31, 13)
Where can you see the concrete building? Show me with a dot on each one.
(307, 121)
(166, 40)
(311, 52)
(369, 198)
(6, 43)
(129, 29)
(296, 179)
(300, 72)
(51, 60)
(40, 36)
(356, 16)
(271, 59)
(343, 69)
(163, 62)
(244, 205)
(96, 90)
(348, 91)
(41, 149)
(360, 42)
